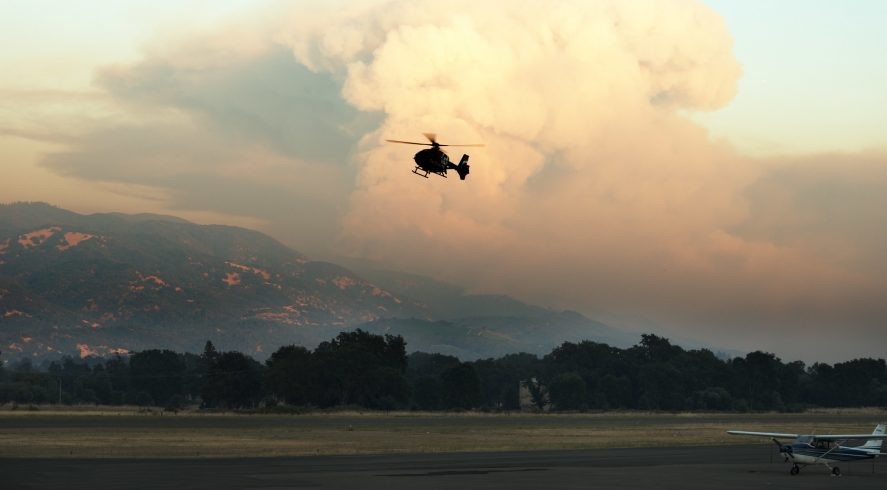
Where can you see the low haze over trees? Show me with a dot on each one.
(360, 369)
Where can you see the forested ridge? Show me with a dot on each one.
(363, 370)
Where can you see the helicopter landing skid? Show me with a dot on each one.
(421, 173)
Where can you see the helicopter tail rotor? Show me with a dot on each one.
(462, 168)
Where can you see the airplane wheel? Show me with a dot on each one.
(836, 471)
(795, 470)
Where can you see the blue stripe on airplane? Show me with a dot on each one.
(842, 454)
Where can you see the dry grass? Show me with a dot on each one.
(125, 433)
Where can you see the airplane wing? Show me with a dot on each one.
(777, 435)
(842, 437)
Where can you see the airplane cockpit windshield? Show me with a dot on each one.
(805, 439)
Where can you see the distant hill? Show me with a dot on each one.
(102, 283)
(473, 326)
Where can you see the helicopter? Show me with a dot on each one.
(434, 161)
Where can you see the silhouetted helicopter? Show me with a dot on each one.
(434, 161)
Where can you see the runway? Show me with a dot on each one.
(720, 467)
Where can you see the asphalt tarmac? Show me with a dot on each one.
(720, 467)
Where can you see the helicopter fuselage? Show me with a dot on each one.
(433, 160)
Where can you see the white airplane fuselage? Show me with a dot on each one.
(803, 453)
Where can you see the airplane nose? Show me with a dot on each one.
(783, 448)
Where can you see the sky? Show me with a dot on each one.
(704, 170)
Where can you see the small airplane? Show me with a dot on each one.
(434, 161)
(823, 449)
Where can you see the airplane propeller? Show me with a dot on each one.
(784, 449)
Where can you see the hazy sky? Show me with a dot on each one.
(711, 170)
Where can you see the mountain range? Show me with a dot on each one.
(110, 283)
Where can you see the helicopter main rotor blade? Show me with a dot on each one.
(409, 142)
(433, 139)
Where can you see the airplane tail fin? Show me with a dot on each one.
(876, 443)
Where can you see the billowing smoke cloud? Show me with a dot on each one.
(594, 191)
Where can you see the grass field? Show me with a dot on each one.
(129, 433)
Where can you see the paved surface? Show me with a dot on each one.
(734, 467)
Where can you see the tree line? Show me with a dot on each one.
(362, 370)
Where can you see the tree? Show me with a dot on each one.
(711, 398)
(234, 380)
(117, 370)
(289, 375)
(100, 383)
(176, 403)
(423, 373)
(538, 394)
(361, 368)
(616, 391)
(143, 399)
(160, 373)
(426, 393)
(657, 349)
(210, 354)
(758, 379)
(660, 387)
(461, 387)
(568, 392)
(856, 381)
(193, 375)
